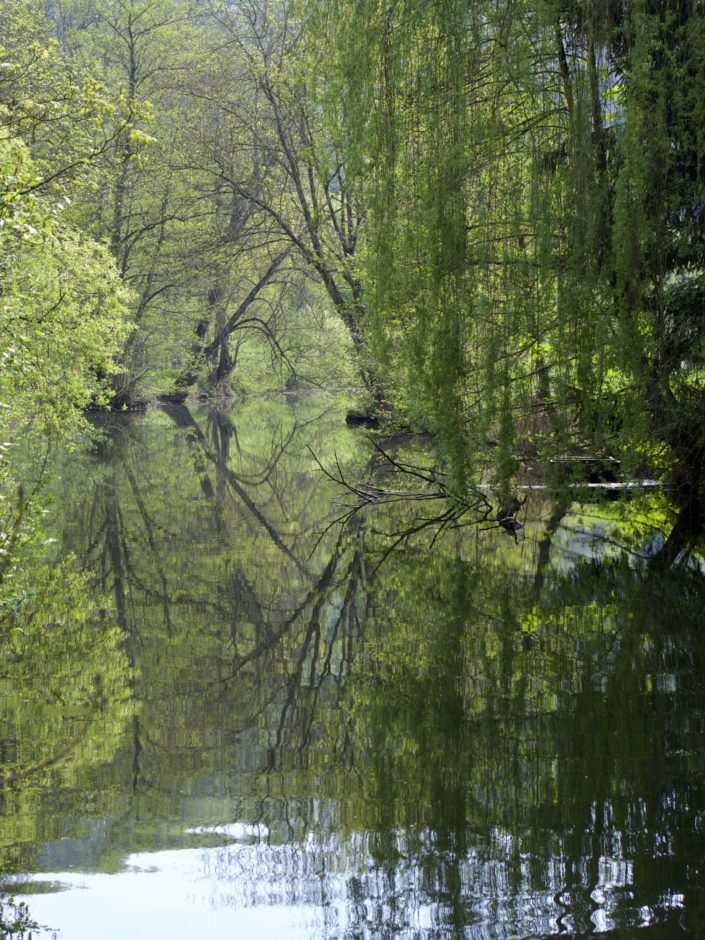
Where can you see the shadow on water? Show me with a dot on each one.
(485, 740)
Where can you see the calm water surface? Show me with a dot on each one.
(287, 738)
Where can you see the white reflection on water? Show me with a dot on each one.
(335, 888)
(174, 894)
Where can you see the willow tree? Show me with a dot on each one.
(534, 177)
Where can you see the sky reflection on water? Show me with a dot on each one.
(259, 890)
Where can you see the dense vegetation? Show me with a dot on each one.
(534, 177)
(488, 216)
(484, 221)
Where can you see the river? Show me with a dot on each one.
(236, 720)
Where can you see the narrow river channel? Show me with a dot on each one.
(249, 727)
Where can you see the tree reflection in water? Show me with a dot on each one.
(482, 740)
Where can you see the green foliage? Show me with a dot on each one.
(62, 303)
(533, 177)
(62, 321)
(62, 318)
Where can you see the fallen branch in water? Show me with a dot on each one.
(471, 508)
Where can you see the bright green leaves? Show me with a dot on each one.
(62, 320)
(62, 305)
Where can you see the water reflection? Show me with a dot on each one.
(486, 740)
